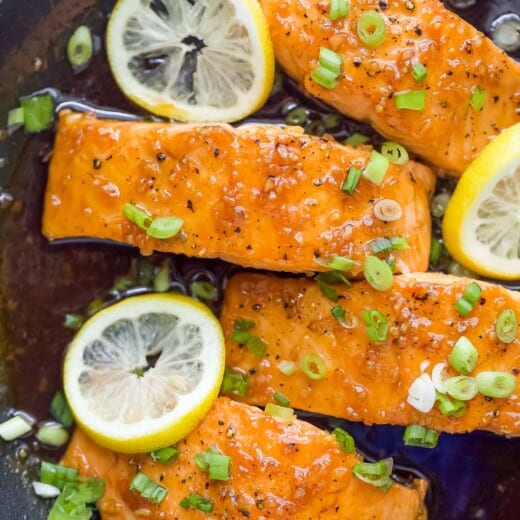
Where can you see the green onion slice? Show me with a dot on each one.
(450, 407)
(73, 501)
(137, 216)
(439, 203)
(377, 325)
(165, 227)
(204, 290)
(15, 119)
(243, 324)
(345, 440)
(148, 489)
(235, 382)
(376, 167)
(435, 251)
(496, 384)
(280, 398)
(413, 100)
(395, 153)
(371, 29)
(507, 326)
(339, 313)
(388, 244)
(356, 139)
(73, 321)
(279, 412)
(478, 98)
(326, 282)
(14, 427)
(463, 388)
(80, 47)
(331, 60)
(194, 501)
(254, 344)
(351, 180)
(297, 117)
(375, 473)
(338, 263)
(419, 72)
(52, 434)
(464, 356)
(215, 463)
(165, 455)
(161, 279)
(419, 436)
(324, 77)
(378, 273)
(313, 367)
(472, 293)
(287, 368)
(338, 9)
(60, 410)
(57, 475)
(462, 306)
(38, 112)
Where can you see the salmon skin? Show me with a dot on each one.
(279, 470)
(258, 196)
(448, 132)
(369, 381)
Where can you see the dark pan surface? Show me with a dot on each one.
(472, 476)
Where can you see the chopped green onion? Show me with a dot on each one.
(376, 167)
(38, 112)
(351, 180)
(73, 321)
(243, 324)
(356, 139)
(377, 325)
(331, 120)
(338, 263)
(148, 489)
(279, 412)
(331, 60)
(297, 117)
(395, 153)
(215, 463)
(324, 77)
(194, 501)
(462, 306)
(435, 251)
(254, 344)
(345, 440)
(472, 293)
(419, 72)
(165, 455)
(439, 203)
(378, 273)
(496, 384)
(80, 47)
(313, 367)
(54, 435)
(339, 313)
(137, 216)
(57, 475)
(72, 503)
(375, 473)
(165, 227)
(507, 326)
(413, 100)
(14, 427)
(235, 382)
(419, 436)
(338, 9)
(387, 245)
(15, 119)
(204, 290)
(161, 279)
(463, 388)
(464, 356)
(45, 490)
(478, 97)
(450, 407)
(121, 284)
(281, 399)
(287, 368)
(371, 28)
(326, 282)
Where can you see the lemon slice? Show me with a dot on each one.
(192, 60)
(481, 225)
(141, 374)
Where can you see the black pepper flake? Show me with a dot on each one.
(189, 205)
(216, 152)
(96, 163)
(220, 422)
(249, 247)
(418, 31)
(252, 371)
(357, 62)
(161, 157)
(257, 307)
(383, 5)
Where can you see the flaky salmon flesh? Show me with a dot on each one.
(460, 60)
(279, 470)
(367, 380)
(258, 195)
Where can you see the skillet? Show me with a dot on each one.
(471, 476)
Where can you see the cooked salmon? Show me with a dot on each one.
(279, 469)
(366, 380)
(258, 195)
(460, 61)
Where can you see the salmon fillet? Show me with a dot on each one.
(448, 133)
(233, 187)
(369, 381)
(278, 470)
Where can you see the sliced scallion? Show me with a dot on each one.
(80, 47)
(14, 427)
(45, 490)
(279, 412)
(338, 9)
(281, 399)
(57, 475)
(496, 384)
(478, 98)
(465, 304)
(463, 388)
(413, 100)
(395, 153)
(52, 434)
(464, 356)
(338, 263)
(377, 325)
(345, 440)
(435, 251)
(450, 407)
(73, 321)
(287, 368)
(15, 119)
(38, 112)
(235, 382)
(165, 455)
(194, 501)
(313, 367)
(388, 244)
(60, 410)
(419, 72)
(351, 180)
(74, 500)
(375, 473)
(297, 117)
(137, 216)
(371, 29)
(420, 436)
(356, 139)
(214, 462)
(254, 344)
(378, 273)
(326, 282)
(164, 227)
(243, 324)
(339, 313)
(463, 307)
(376, 168)
(204, 290)
(330, 60)
(439, 204)
(148, 489)
(161, 279)
(324, 77)
(507, 326)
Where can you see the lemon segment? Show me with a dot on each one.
(194, 61)
(481, 226)
(141, 374)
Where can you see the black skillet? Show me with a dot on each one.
(471, 476)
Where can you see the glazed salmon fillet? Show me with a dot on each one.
(258, 196)
(279, 469)
(369, 381)
(448, 132)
